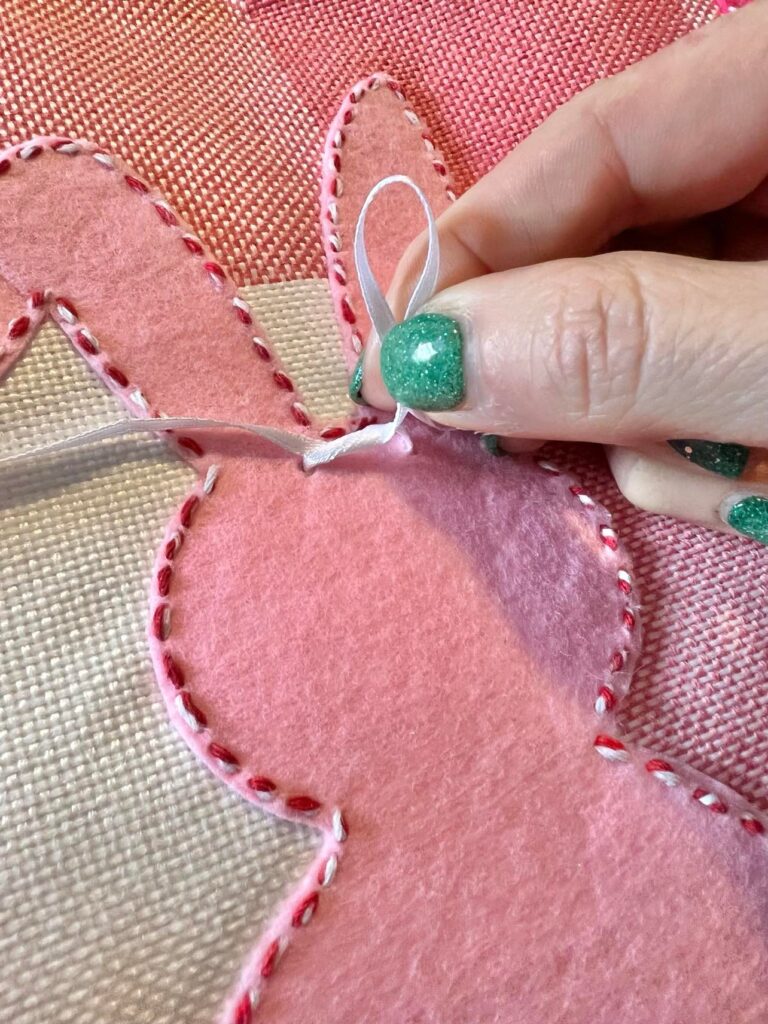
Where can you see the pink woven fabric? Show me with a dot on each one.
(700, 691)
(224, 106)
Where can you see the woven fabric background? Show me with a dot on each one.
(700, 691)
(132, 882)
(224, 105)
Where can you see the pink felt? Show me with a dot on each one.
(496, 869)
(78, 230)
(375, 134)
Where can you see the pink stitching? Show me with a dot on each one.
(67, 314)
(607, 701)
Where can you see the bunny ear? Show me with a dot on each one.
(375, 134)
(139, 297)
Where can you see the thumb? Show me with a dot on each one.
(623, 348)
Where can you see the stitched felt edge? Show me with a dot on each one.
(299, 908)
(715, 796)
(20, 331)
(613, 688)
(248, 781)
(332, 186)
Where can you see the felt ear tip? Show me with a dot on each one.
(367, 142)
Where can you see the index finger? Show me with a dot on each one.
(677, 135)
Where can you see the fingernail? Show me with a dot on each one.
(356, 383)
(747, 513)
(491, 443)
(726, 459)
(422, 362)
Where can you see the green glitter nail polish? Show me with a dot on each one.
(422, 362)
(356, 383)
(750, 516)
(726, 459)
(491, 443)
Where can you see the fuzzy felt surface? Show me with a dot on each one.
(494, 862)
(416, 640)
(95, 237)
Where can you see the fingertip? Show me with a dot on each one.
(366, 383)
(650, 480)
(519, 445)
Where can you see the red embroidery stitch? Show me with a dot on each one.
(158, 621)
(164, 581)
(173, 673)
(261, 350)
(752, 825)
(135, 184)
(66, 306)
(300, 414)
(188, 509)
(214, 269)
(190, 444)
(172, 547)
(222, 754)
(710, 801)
(165, 215)
(18, 327)
(270, 960)
(304, 913)
(192, 709)
(609, 697)
(116, 375)
(84, 342)
(243, 1014)
(617, 661)
(243, 315)
(193, 245)
(260, 784)
(305, 804)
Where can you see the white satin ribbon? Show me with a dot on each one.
(313, 452)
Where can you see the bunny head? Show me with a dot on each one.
(405, 648)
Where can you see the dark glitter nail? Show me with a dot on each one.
(726, 459)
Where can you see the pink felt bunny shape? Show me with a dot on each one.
(405, 647)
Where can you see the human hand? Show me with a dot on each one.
(607, 282)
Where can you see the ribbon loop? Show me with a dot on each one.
(379, 310)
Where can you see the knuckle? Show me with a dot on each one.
(596, 339)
